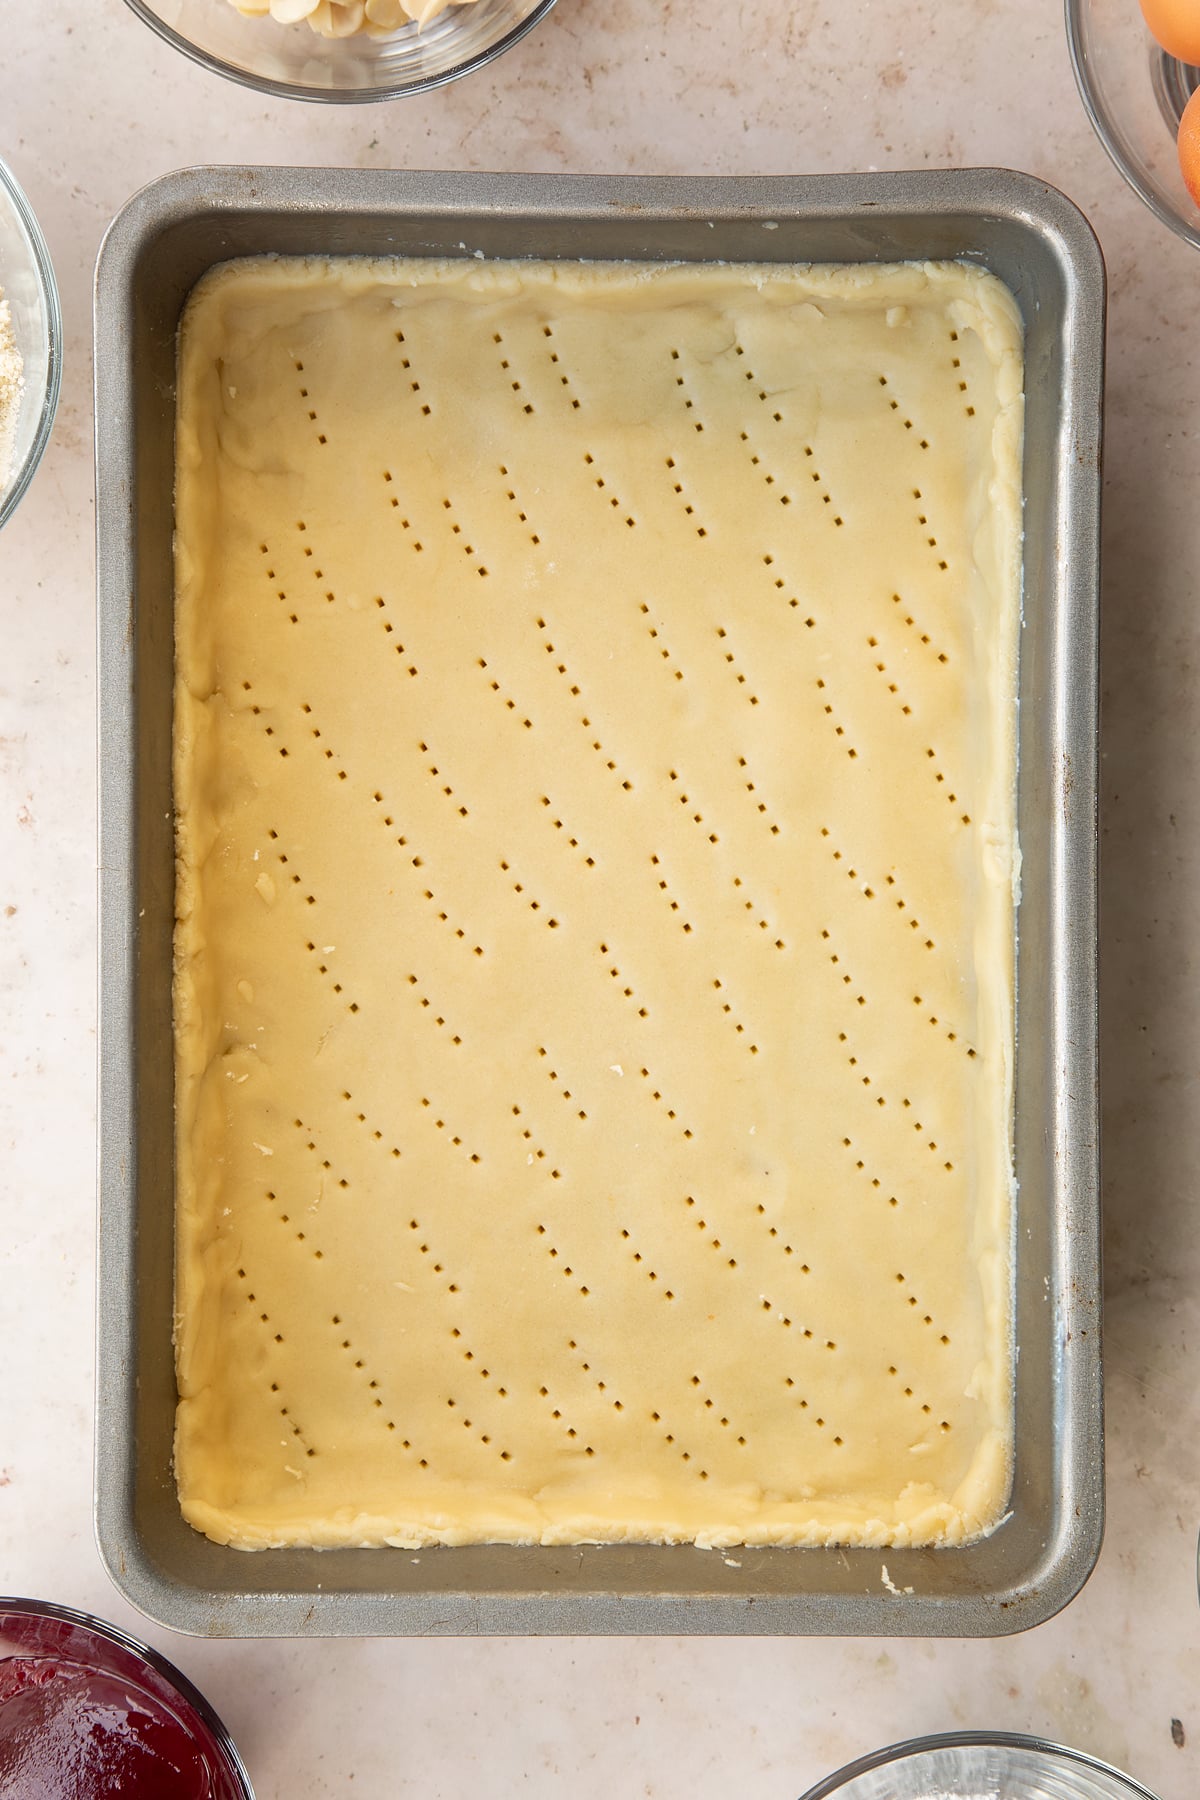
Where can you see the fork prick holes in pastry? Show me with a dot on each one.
(641, 660)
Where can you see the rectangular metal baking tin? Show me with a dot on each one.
(1037, 242)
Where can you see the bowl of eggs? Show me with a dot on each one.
(347, 50)
(1137, 64)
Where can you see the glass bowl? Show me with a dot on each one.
(86, 1711)
(978, 1765)
(1134, 94)
(27, 282)
(294, 62)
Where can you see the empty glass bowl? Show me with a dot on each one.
(294, 62)
(1134, 93)
(86, 1712)
(978, 1765)
(27, 282)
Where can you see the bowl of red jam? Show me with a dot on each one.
(87, 1712)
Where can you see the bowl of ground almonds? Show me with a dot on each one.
(30, 344)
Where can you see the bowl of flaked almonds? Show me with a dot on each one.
(342, 50)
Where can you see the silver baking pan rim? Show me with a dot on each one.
(1040, 1556)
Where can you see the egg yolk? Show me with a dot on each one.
(1189, 146)
(1176, 25)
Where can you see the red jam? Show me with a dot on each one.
(85, 1715)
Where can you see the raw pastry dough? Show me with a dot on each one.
(595, 772)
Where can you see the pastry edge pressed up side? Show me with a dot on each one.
(595, 761)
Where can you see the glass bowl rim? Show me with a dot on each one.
(70, 1615)
(1100, 125)
(953, 1740)
(44, 270)
(367, 95)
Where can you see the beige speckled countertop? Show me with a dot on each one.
(92, 106)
